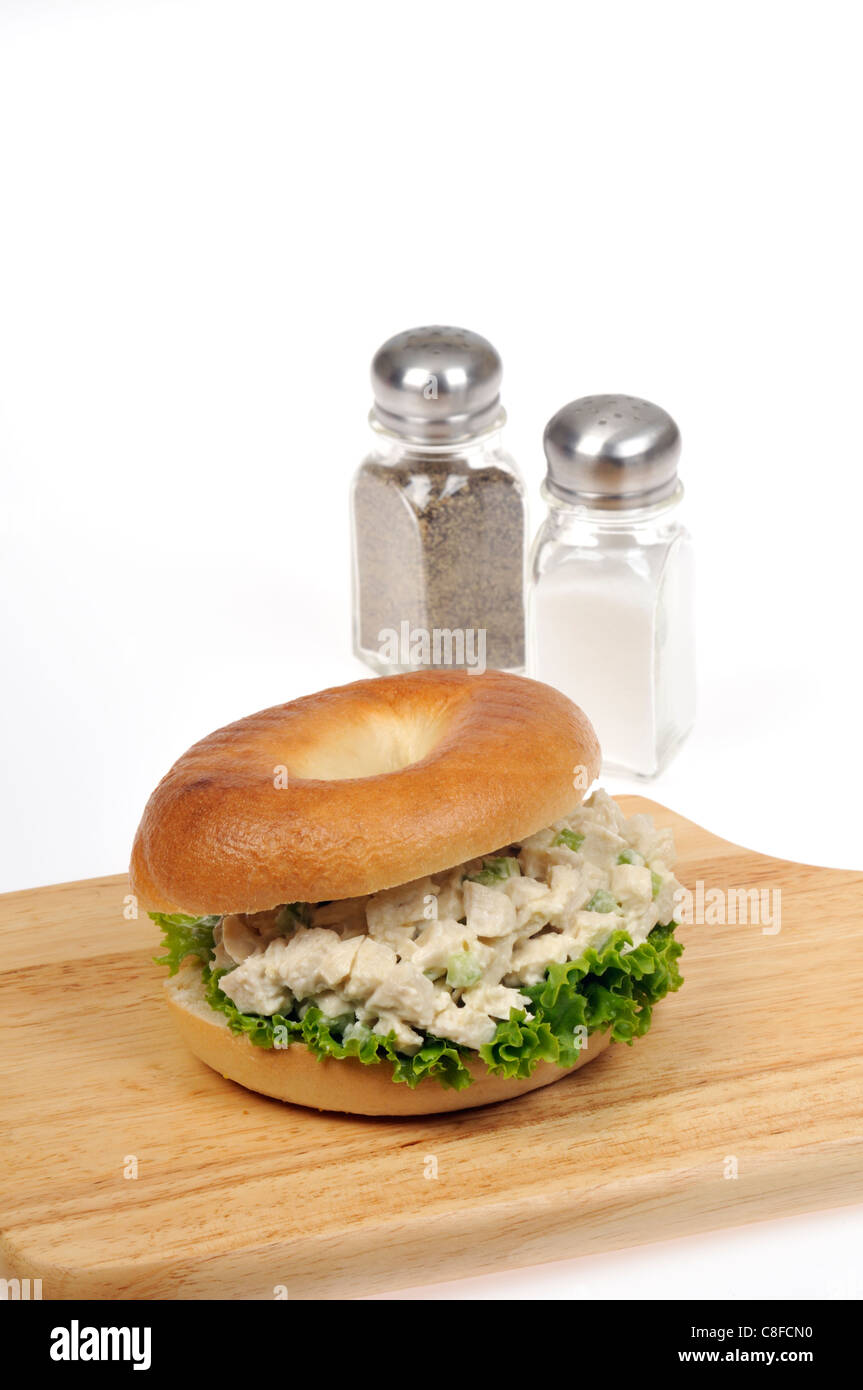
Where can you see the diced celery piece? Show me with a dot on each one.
(496, 870)
(602, 901)
(462, 970)
(571, 838)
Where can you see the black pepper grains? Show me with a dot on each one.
(439, 546)
(438, 511)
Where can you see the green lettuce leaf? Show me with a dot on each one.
(602, 991)
(608, 990)
(184, 936)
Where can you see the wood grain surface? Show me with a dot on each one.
(755, 1066)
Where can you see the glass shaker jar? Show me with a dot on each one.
(438, 512)
(611, 583)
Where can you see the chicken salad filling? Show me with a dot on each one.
(459, 956)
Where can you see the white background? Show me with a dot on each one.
(212, 213)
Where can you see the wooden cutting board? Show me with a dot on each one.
(755, 1067)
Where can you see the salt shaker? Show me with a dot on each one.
(611, 579)
(438, 512)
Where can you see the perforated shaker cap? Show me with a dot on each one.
(612, 452)
(437, 384)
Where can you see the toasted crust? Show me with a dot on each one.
(295, 1074)
(360, 788)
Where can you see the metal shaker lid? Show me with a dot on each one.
(436, 384)
(612, 452)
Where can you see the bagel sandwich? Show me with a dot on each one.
(391, 897)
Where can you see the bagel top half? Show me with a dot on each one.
(360, 788)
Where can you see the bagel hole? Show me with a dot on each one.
(380, 745)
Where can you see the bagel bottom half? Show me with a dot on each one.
(294, 1073)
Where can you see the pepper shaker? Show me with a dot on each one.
(611, 579)
(438, 512)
